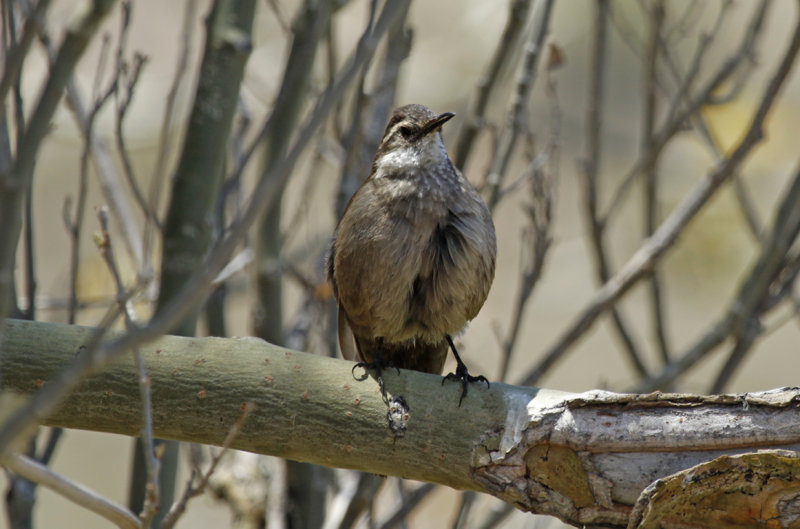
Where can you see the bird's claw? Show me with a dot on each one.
(377, 366)
(463, 375)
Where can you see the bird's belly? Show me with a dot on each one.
(415, 294)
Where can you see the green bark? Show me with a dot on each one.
(309, 408)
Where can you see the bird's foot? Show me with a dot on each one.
(378, 365)
(462, 374)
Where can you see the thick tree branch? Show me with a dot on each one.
(585, 458)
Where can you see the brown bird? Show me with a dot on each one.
(413, 256)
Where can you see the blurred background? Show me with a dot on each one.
(452, 49)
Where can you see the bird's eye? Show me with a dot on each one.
(406, 132)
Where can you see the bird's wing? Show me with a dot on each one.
(347, 341)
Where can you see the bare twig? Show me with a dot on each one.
(152, 464)
(41, 474)
(518, 14)
(700, 123)
(536, 240)
(679, 111)
(74, 226)
(123, 103)
(108, 176)
(279, 16)
(125, 79)
(365, 134)
(354, 498)
(686, 22)
(409, 504)
(152, 461)
(516, 120)
(495, 516)
(742, 321)
(15, 55)
(591, 169)
(29, 312)
(464, 509)
(667, 233)
(15, 183)
(538, 235)
(193, 490)
(103, 242)
(657, 18)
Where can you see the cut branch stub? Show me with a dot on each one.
(586, 458)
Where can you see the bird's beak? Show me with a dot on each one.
(435, 123)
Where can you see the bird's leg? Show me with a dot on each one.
(377, 365)
(462, 373)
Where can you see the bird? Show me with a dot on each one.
(412, 258)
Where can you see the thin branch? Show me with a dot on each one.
(538, 235)
(493, 519)
(14, 184)
(15, 56)
(193, 490)
(103, 242)
(742, 319)
(518, 14)
(29, 258)
(308, 30)
(639, 265)
(123, 103)
(516, 120)
(152, 463)
(50, 448)
(108, 176)
(75, 226)
(464, 509)
(701, 127)
(371, 113)
(744, 342)
(591, 170)
(279, 16)
(78, 494)
(409, 504)
(354, 498)
(679, 112)
(686, 22)
(651, 202)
